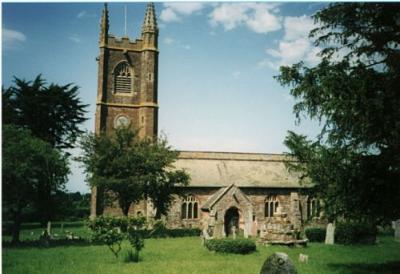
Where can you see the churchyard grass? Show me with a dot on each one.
(187, 255)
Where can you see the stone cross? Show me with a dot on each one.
(397, 230)
(278, 263)
(330, 234)
(233, 232)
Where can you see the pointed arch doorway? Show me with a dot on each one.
(231, 219)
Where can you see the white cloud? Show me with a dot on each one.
(173, 12)
(295, 45)
(172, 41)
(185, 8)
(297, 27)
(168, 40)
(75, 39)
(84, 14)
(236, 74)
(12, 38)
(258, 17)
(168, 15)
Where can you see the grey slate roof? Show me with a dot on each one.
(219, 169)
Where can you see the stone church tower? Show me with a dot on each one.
(127, 81)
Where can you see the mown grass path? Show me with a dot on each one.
(187, 255)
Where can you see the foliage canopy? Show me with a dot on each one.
(29, 165)
(130, 169)
(52, 112)
(354, 93)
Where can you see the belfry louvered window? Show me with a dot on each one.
(123, 78)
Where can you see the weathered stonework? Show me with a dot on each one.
(226, 189)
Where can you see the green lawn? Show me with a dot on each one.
(187, 255)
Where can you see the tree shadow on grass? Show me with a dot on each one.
(390, 267)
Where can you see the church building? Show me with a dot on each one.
(242, 190)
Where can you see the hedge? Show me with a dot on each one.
(238, 246)
(315, 234)
(172, 233)
(355, 233)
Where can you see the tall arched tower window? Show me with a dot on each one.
(123, 78)
(189, 208)
(271, 206)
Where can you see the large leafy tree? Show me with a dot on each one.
(28, 164)
(51, 112)
(129, 169)
(355, 93)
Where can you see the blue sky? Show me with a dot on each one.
(216, 65)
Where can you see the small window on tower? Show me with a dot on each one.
(123, 81)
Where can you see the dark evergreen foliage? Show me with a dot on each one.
(355, 233)
(354, 93)
(315, 234)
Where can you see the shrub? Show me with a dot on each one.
(107, 230)
(131, 257)
(238, 246)
(355, 233)
(112, 231)
(135, 237)
(159, 230)
(315, 234)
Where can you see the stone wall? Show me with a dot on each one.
(256, 207)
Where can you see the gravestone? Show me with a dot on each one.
(234, 232)
(330, 234)
(49, 228)
(278, 263)
(397, 230)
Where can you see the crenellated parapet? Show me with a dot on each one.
(124, 43)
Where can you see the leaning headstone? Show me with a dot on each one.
(278, 263)
(49, 228)
(330, 234)
(397, 230)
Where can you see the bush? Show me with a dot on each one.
(160, 231)
(238, 246)
(315, 234)
(183, 232)
(355, 233)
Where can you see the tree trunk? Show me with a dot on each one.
(125, 207)
(158, 215)
(16, 228)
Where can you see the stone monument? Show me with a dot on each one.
(397, 230)
(330, 234)
(279, 230)
(278, 263)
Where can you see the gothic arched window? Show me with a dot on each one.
(123, 80)
(189, 208)
(313, 207)
(271, 206)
